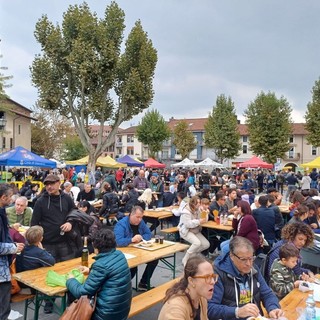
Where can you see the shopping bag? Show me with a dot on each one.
(54, 279)
(81, 308)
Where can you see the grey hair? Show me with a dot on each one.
(240, 242)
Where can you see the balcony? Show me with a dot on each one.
(292, 156)
(118, 144)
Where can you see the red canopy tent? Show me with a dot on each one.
(151, 163)
(255, 162)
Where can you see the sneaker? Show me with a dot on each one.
(48, 307)
(143, 287)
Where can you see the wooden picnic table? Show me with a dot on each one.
(295, 299)
(214, 229)
(36, 279)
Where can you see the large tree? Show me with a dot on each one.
(312, 116)
(49, 132)
(82, 73)
(153, 131)
(270, 126)
(221, 131)
(183, 139)
(73, 148)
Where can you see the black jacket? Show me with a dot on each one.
(51, 212)
(110, 204)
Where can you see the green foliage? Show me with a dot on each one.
(49, 132)
(221, 132)
(312, 116)
(153, 131)
(73, 148)
(183, 139)
(4, 105)
(81, 68)
(270, 126)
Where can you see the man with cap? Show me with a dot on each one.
(50, 212)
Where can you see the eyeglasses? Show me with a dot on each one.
(208, 278)
(244, 260)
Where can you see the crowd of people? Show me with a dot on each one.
(62, 213)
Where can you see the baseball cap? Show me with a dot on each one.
(51, 178)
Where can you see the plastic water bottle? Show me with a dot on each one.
(221, 219)
(225, 220)
(310, 308)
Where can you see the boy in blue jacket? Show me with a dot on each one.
(34, 255)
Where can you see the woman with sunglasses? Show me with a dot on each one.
(187, 299)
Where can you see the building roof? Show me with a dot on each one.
(195, 124)
(130, 130)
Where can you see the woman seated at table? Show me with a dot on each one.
(314, 215)
(300, 214)
(109, 278)
(301, 235)
(190, 228)
(187, 299)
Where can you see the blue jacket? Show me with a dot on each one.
(32, 258)
(224, 301)
(124, 234)
(110, 278)
(7, 247)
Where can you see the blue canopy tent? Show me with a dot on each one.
(21, 157)
(130, 162)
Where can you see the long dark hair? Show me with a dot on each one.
(190, 270)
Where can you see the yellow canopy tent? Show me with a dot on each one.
(101, 161)
(312, 164)
(109, 162)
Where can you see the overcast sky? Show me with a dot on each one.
(205, 48)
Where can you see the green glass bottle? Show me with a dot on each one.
(85, 253)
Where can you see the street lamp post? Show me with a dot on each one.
(3, 123)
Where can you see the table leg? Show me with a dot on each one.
(171, 266)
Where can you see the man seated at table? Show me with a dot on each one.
(132, 229)
(241, 287)
(20, 212)
(87, 194)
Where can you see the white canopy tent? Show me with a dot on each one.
(184, 163)
(209, 163)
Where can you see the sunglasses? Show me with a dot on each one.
(208, 278)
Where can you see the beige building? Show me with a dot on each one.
(15, 126)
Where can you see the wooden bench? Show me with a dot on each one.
(170, 230)
(150, 298)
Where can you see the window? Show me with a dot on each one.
(11, 143)
(244, 149)
(19, 129)
(291, 153)
(165, 154)
(130, 138)
(244, 138)
(313, 151)
(291, 139)
(3, 143)
(119, 151)
(119, 138)
(130, 151)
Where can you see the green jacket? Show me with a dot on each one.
(24, 219)
(281, 279)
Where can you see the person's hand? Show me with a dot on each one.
(66, 227)
(84, 270)
(16, 226)
(20, 247)
(203, 220)
(137, 238)
(313, 226)
(276, 313)
(70, 275)
(297, 283)
(248, 310)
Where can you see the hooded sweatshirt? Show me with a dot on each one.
(235, 290)
(50, 212)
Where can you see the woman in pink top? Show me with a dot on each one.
(244, 224)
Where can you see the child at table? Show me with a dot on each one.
(34, 255)
(282, 278)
